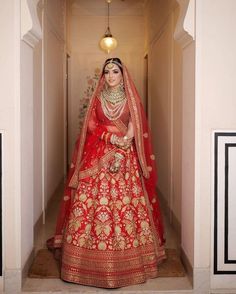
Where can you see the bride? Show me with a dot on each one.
(109, 227)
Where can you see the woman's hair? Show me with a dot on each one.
(114, 60)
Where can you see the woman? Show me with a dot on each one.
(109, 226)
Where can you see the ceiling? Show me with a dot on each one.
(117, 7)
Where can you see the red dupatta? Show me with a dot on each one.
(143, 146)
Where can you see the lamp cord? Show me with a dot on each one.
(108, 13)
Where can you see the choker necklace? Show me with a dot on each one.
(114, 96)
(113, 102)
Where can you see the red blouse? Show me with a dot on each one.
(98, 118)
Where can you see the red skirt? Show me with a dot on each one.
(110, 239)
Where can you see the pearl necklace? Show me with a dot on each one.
(113, 103)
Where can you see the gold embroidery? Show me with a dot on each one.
(160, 251)
(116, 233)
(102, 246)
(103, 201)
(149, 168)
(109, 269)
(93, 170)
(82, 197)
(120, 125)
(117, 230)
(126, 200)
(127, 176)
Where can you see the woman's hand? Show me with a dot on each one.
(124, 142)
(121, 142)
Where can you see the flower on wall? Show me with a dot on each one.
(91, 85)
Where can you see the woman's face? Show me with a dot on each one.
(113, 75)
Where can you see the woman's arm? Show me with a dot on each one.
(130, 131)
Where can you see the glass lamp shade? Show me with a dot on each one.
(108, 43)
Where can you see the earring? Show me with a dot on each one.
(122, 86)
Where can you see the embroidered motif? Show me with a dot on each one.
(149, 168)
(152, 157)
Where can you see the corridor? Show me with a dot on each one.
(154, 60)
(181, 57)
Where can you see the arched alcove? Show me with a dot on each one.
(31, 31)
(184, 34)
(185, 27)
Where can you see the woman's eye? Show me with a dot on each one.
(116, 71)
(106, 72)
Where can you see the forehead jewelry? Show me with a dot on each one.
(110, 64)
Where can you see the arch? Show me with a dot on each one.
(31, 31)
(185, 27)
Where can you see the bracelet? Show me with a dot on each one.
(119, 156)
(102, 136)
(106, 136)
(113, 139)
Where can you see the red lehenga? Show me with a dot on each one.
(109, 225)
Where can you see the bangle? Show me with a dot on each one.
(113, 139)
(102, 136)
(121, 153)
(106, 136)
(119, 156)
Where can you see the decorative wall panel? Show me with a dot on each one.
(225, 203)
(0, 204)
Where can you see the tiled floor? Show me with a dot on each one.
(158, 285)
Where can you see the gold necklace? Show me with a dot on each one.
(113, 104)
(113, 96)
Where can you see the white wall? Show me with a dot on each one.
(188, 153)
(160, 103)
(38, 124)
(20, 123)
(26, 126)
(53, 96)
(177, 122)
(16, 123)
(165, 95)
(10, 128)
(215, 110)
(49, 58)
(88, 25)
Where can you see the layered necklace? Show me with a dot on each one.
(113, 102)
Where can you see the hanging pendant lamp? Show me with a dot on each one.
(108, 42)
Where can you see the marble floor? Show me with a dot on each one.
(153, 286)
